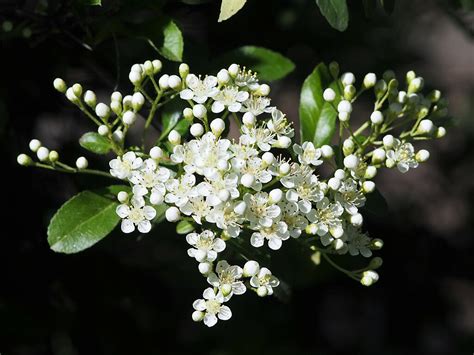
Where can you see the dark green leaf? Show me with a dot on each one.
(317, 117)
(95, 143)
(92, 2)
(229, 8)
(268, 64)
(184, 227)
(335, 12)
(171, 41)
(376, 204)
(172, 118)
(84, 220)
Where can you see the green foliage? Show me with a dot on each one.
(95, 143)
(268, 64)
(335, 12)
(171, 41)
(84, 220)
(229, 8)
(184, 227)
(317, 117)
(92, 2)
(172, 118)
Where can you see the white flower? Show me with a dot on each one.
(197, 208)
(308, 154)
(138, 214)
(280, 125)
(212, 308)
(255, 168)
(246, 78)
(264, 282)
(295, 221)
(206, 246)
(227, 279)
(149, 176)
(403, 154)
(199, 90)
(256, 105)
(122, 167)
(229, 97)
(260, 136)
(357, 241)
(220, 189)
(349, 196)
(275, 234)
(181, 189)
(260, 212)
(225, 218)
(326, 217)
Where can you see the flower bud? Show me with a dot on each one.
(174, 137)
(283, 142)
(329, 95)
(34, 145)
(117, 136)
(390, 163)
(347, 79)
(369, 80)
(199, 111)
(380, 88)
(370, 172)
(376, 244)
(440, 132)
(275, 196)
(24, 160)
(163, 82)
(415, 85)
(251, 268)
(356, 219)
(102, 110)
(378, 155)
(338, 244)
(425, 127)
(422, 156)
(60, 85)
(351, 162)
(196, 130)
(368, 186)
(174, 82)
(135, 78)
(349, 92)
(388, 141)
(122, 197)
(129, 118)
(217, 126)
(116, 96)
(410, 76)
(434, 96)
(156, 198)
(77, 89)
(344, 116)
(233, 70)
(376, 117)
(262, 291)
(90, 99)
(197, 316)
(116, 107)
(348, 146)
(157, 65)
(43, 153)
(223, 77)
(148, 67)
(172, 214)
(249, 119)
(284, 168)
(334, 183)
(268, 158)
(53, 156)
(71, 96)
(103, 130)
(82, 163)
(327, 152)
(402, 97)
(156, 153)
(137, 68)
(205, 268)
(263, 90)
(375, 263)
(247, 180)
(340, 174)
(344, 106)
(138, 100)
(183, 70)
(369, 278)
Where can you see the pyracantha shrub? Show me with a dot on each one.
(254, 188)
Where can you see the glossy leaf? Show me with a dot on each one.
(335, 12)
(229, 8)
(95, 143)
(171, 41)
(84, 220)
(317, 117)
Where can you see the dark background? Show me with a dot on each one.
(133, 294)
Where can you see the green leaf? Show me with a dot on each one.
(95, 143)
(376, 204)
(171, 41)
(92, 2)
(317, 117)
(172, 118)
(229, 8)
(335, 12)
(268, 64)
(84, 220)
(184, 227)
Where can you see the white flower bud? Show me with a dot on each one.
(378, 155)
(390, 163)
(90, 98)
(275, 196)
(157, 65)
(196, 130)
(53, 156)
(183, 70)
(188, 114)
(129, 118)
(137, 68)
(122, 197)
(247, 180)
(415, 85)
(327, 152)
(410, 76)
(370, 172)
(337, 244)
(340, 174)
(283, 142)
(422, 156)
(223, 76)
(329, 95)
(71, 96)
(368, 186)
(334, 183)
(23, 160)
(369, 278)
(351, 161)
(251, 268)
(117, 136)
(263, 90)
(156, 153)
(347, 79)
(284, 168)
(388, 141)
(102, 110)
(138, 100)
(344, 106)
(233, 70)
(156, 198)
(440, 132)
(148, 67)
(199, 111)
(198, 316)
(174, 137)
(248, 119)
(376, 117)
(103, 130)
(344, 116)
(402, 97)
(349, 92)
(60, 85)
(369, 80)
(34, 145)
(217, 126)
(205, 268)
(82, 163)
(135, 78)
(376, 244)
(127, 102)
(163, 82)
(116, 96)
(357, 219)
(174, 82)
(268, 158)
(116, 107)
(172, 214)
(425, 127)
(348, 146)
(77, 89)
(262, 291)
(240, 208)
(43, 153)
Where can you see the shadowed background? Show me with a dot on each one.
(133, 294)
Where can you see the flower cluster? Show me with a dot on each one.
(260, 188)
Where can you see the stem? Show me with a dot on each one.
(88, 114)
(341, 269)
(67, 169)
